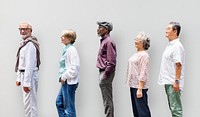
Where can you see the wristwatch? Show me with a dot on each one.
(177, 81)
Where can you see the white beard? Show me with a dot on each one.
(24, 36)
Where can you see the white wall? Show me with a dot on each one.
(50, 17)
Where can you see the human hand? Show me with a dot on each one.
(26, 89)
(139, 93)
(176, 87)
(62, 81)
(18, 83)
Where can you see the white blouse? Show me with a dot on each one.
(72, 62)
(137, 70)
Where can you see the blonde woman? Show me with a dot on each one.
(68, 75)
(137, 76)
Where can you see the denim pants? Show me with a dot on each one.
(174, 101)
(106, 90)
(140, 105)
(65, 101)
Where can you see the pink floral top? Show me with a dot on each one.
(137, 70)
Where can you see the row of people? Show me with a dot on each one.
(171, 71)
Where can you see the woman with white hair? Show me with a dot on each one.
(137, 76)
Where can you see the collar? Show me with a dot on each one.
(67, 45)
(173, 41)
(104, 37)
(24, 40)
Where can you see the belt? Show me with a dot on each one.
(100, 70)
(22, 70)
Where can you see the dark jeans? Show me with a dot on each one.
(106, 91)
(140, 105)
(65, 101)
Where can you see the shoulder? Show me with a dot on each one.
(34, 38)
(72, 49)
(178, 46)
(30, 44)
(30, 47)
(144, 55)
(109, 41)
(177, 43)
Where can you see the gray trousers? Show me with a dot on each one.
(106, 90)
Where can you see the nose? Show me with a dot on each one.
(22, 30)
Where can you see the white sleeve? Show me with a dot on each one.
(30, 58)
(18, 79)
(73, 64)
(177, 54)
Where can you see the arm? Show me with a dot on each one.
(73, 65)
(176, 85)
(30, 61)
(18, 80)
(143, 75)
(111, 59)
(177, 59)
(140, 87)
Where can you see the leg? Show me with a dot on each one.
(106, 90)
(61, 101)
(26, 101)
(142, 105)
(133, 100)
(174, 101)
(70, 109)
(30, 99)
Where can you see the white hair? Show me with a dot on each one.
(146, 40)
(27, 23)
(144, 36)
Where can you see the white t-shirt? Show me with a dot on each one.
(174, 53)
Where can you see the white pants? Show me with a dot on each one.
(30, 99)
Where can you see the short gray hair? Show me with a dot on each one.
(146, 40)
(176, 26)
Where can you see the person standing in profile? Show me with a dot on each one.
(137, 76)
(68, 75)
(172, 69)
(106, 63)
(27, 66)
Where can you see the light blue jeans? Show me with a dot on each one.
(65, 101)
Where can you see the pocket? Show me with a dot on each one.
(101, 75)
(103, 52)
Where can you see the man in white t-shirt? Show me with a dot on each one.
(173, 68)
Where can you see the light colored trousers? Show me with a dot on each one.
(174, 101)
(29, 99)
